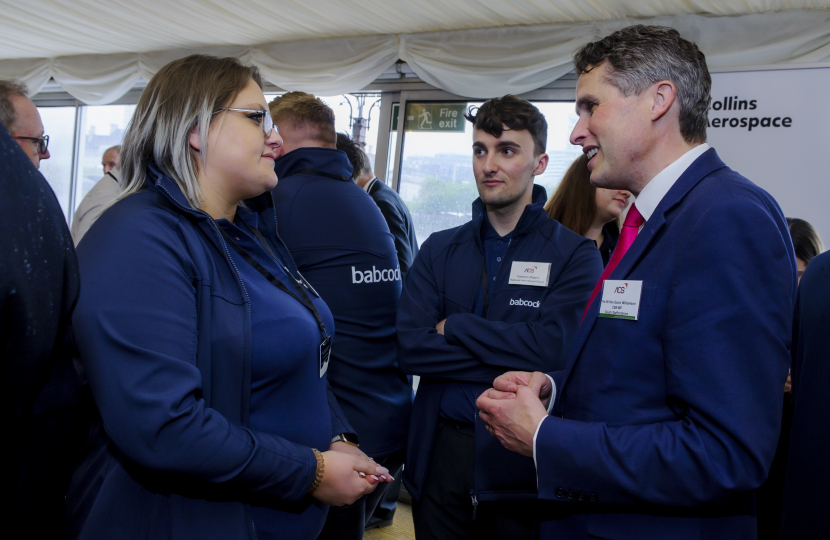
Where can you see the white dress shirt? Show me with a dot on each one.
(646, 202)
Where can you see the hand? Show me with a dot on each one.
(440, 327)
(512, 420)
(788, 386)
(342, 483)
(510, 382)
(349, 449)
(358, 453)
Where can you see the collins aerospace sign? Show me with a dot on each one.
(773, 127)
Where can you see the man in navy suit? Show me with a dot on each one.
(666, 417)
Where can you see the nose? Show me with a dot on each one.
(107, 169)
(274, 140)
(489, 165)
(44, 155)
(625, 194)
(579, 132)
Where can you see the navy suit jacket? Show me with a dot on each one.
(664, 426)
(807, 484)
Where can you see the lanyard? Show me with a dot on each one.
(303, 298)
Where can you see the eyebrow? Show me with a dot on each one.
(584, 100)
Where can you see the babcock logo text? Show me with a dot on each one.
(527, 303)
(375, 276)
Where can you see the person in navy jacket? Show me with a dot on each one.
(200, 340)
(502, 291)
(665, 419)
(807, 481)
(391, 205)
(342, 245)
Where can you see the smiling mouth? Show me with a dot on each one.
(592, 152)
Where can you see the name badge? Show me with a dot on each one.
(325, 355)
(529, 273)
(620, 299)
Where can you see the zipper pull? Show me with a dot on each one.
(475, 503)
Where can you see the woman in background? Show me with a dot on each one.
(587, 210)
(203, 346)
(806, 242)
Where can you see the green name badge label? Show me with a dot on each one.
(620, 299)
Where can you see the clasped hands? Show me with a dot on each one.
(348, 475)
(513, 408)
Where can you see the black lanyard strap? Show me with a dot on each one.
(303, 298)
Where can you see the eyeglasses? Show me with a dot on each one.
(42, 142)
(263, 117)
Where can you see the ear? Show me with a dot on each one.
(195, 139)
(541, 164)
(664, 94)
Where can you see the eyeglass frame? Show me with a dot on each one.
(42, 142)
(265, 114)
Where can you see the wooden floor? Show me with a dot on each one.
(401, 528)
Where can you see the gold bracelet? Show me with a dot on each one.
(321, 467)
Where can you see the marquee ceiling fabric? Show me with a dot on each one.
(98, 50)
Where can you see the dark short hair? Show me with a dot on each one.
(357, 157)
(806, 240)
(9, 89)
(639, 56)
(303, 109)
(515, 114)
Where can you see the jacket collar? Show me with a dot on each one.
(532, 217)
(326, 160)
(706, 164)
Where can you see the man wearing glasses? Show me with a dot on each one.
(20, 117)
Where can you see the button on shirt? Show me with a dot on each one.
(458, 402)
(647, 202)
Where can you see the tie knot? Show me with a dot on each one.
(633, 218)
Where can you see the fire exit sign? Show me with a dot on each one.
(435, 117)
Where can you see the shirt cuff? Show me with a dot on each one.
(539, 426)
(552, 393)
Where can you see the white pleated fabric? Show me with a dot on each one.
(514, 53)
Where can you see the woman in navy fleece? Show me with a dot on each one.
(207, 376)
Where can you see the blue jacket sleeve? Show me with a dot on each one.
(541, 345)
(339, 422)
(725, 340)
(136, 330)
(397, 226)
(421, 349)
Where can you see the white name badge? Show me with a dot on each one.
(620, 299)
(529, 273)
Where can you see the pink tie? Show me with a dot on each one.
(630, 228)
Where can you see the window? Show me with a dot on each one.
(437, 181)
(101, 127)
(59, 124)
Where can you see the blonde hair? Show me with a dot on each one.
(303, 110)
(184, 95)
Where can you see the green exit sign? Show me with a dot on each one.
(435, 117)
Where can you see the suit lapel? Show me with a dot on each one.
(707, 163)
